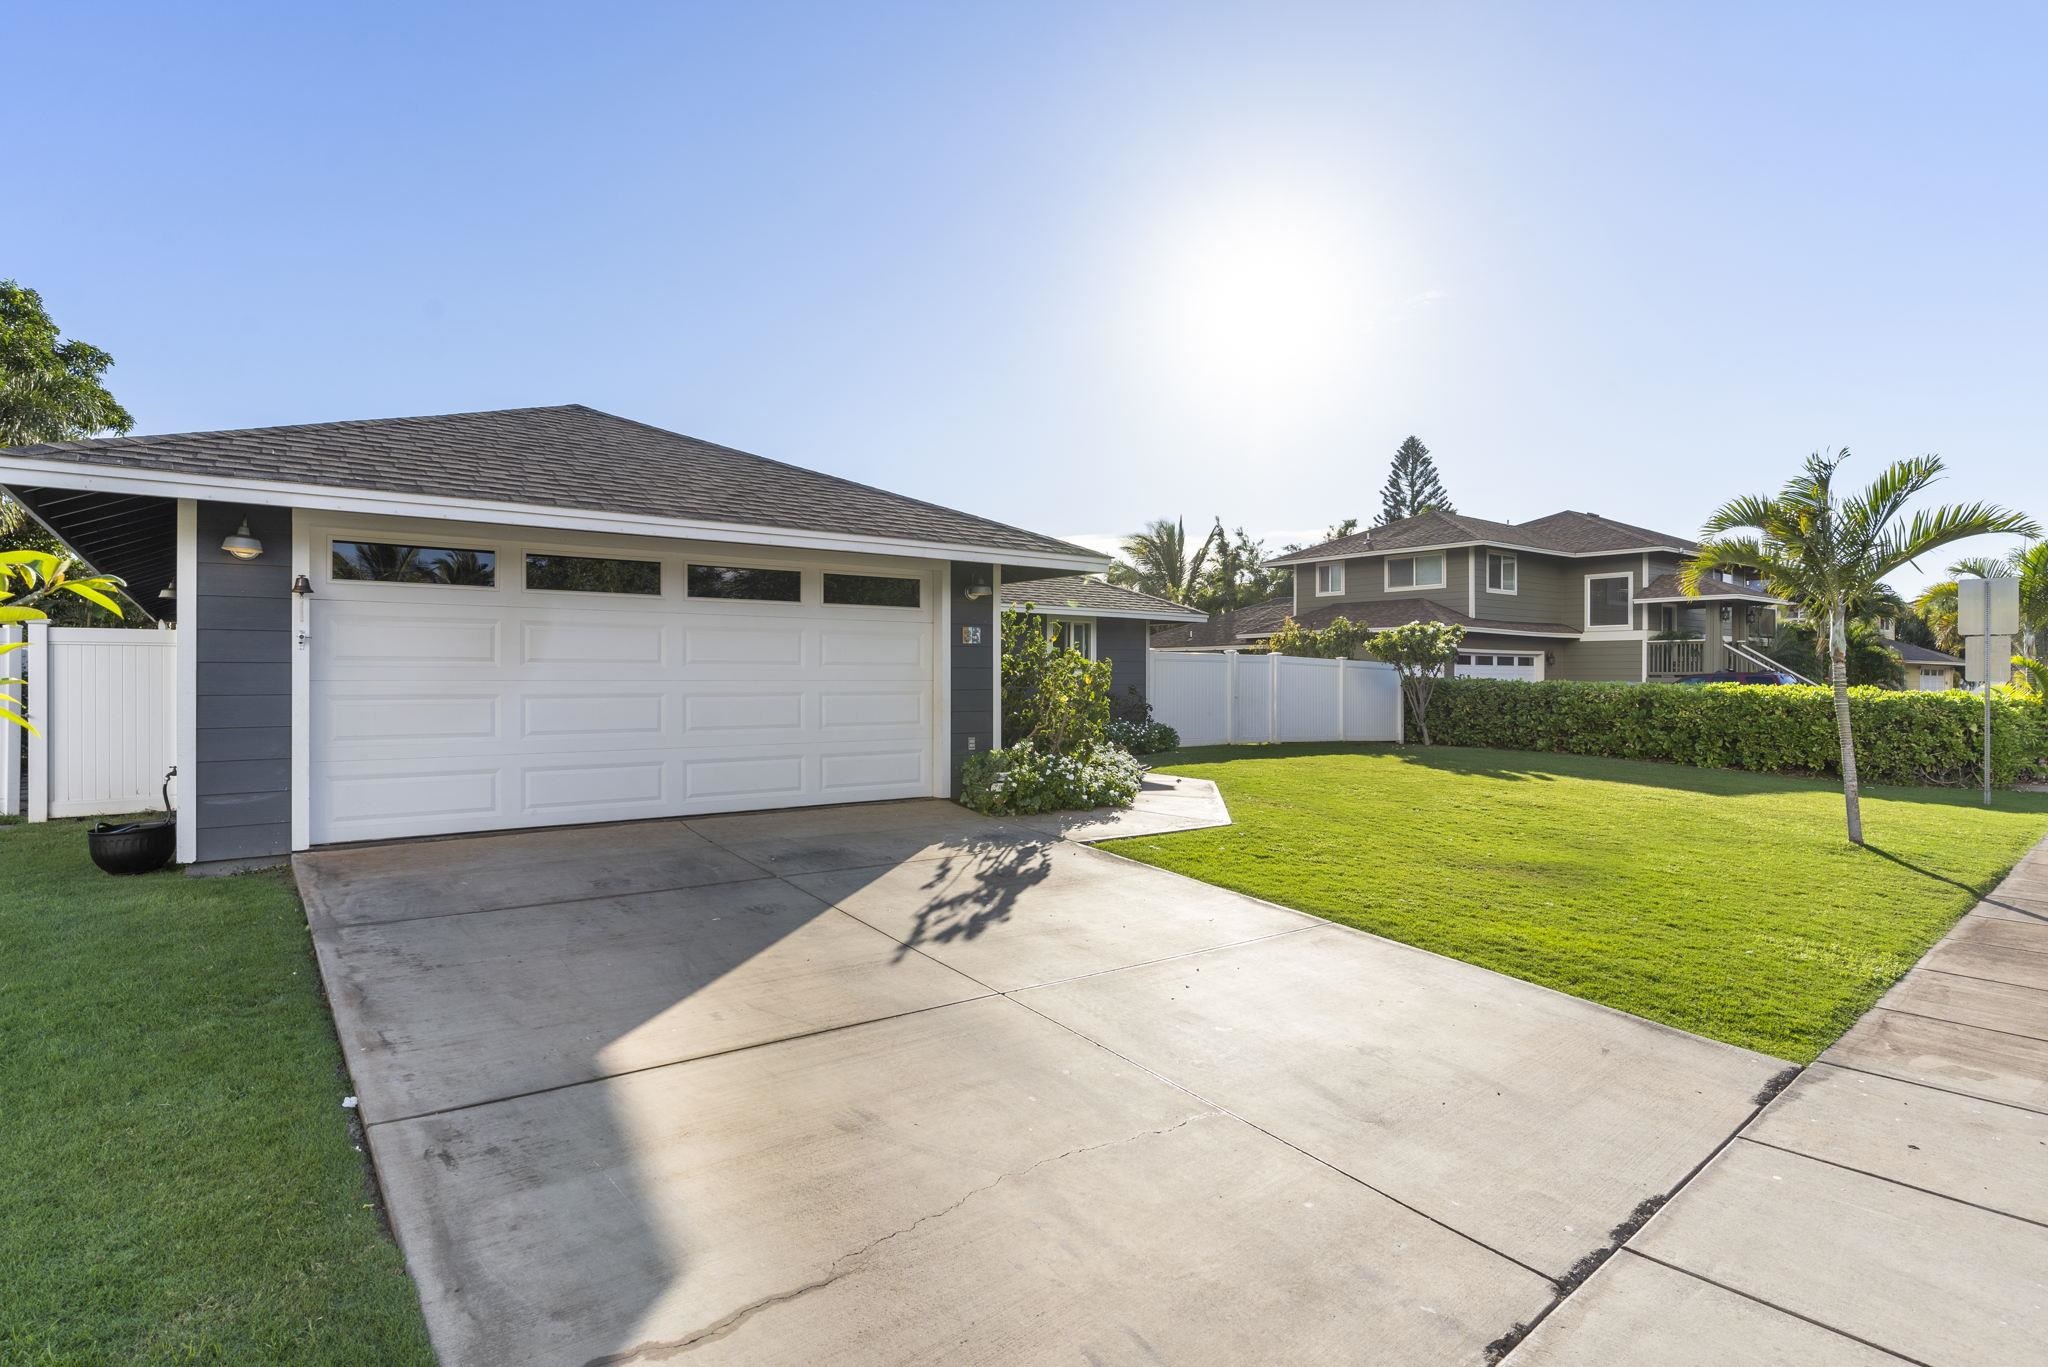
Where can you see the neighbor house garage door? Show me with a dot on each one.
(1487, 664)
(461, 681)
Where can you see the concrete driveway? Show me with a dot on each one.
(895, 1084)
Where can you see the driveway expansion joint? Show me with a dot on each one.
(664, 1350)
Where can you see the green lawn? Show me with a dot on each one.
(181, 1185)
(1724, 903)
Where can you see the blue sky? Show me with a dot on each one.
(1077, 266)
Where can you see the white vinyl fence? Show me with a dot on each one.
(104, 702)
(1214, 698)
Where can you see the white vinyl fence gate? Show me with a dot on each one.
(104, 701)
(1217, 698)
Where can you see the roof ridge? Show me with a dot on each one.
(131, 439)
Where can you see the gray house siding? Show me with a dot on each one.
(1547, 589)
(1122, 643)
(1599, 661)
(1365, 579)
(972, 666)
(241, 793)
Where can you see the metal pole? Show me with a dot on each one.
(1986, 682)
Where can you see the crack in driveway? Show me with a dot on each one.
(665, 1349)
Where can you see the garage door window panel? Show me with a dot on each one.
(390, 562)
(592, 574)
(873, 591)
(744, 584)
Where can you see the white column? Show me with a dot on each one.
(302, 686)
(188, 681)
(995, 636)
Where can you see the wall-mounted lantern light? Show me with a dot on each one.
(242, 546)
(169, 592)
(978, 590)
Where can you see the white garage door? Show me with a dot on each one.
(1486, 664)
(450, 691)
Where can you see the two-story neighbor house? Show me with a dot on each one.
(1568, 596)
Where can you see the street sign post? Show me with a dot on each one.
(1987, 618)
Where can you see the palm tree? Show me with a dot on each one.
(2028, 564)
(1159, 562)
(1827, 553)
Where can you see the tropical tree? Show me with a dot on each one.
(1413, 485)
(49, 390)
(26, 578)
(1157, 560)
(1938, 605)
(1237, 576)
(1423, 653)
(1827, 552)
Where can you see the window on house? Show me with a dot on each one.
(872, 591)
(1067, 634)
(1500, 572)
(1330, 577)
(395, 564)
(1607, 600)
(588, 574)
(1416, 571)
(735, 581)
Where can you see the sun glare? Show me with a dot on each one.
(1259, 309)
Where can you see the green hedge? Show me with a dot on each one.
(1901, 737)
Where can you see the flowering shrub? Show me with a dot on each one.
(1024, 778)
(1143, 737)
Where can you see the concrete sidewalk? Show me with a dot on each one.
(1890, 1206)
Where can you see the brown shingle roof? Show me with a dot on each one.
(1227, 628)
(1267, 618)
(1085, 593)
(1565, 533)
(1396, 612)
(1922, 655)
(1666, 586)
(569, 457)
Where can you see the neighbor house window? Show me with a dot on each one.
(1416, 571)
(1071, 635)
(589, 574)
(872, 590)
(734, 581)
(1500, 573)
(1330, 577)
(394, 564)
(1607, 600)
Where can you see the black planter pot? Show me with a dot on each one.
(134, 847)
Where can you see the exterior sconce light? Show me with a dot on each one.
(302, 587)
(242, 546)
(978, 590)
(169, 592)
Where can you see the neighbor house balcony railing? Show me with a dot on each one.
(1679, 657)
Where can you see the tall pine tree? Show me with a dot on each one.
(1412, 485)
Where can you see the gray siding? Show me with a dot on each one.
(1365, 579)
(1598, 661)
(1122, 643)
(241, 794)
(973, 667)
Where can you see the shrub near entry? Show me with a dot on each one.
(1901, 738)
(1056, 706)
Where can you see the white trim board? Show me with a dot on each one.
(271, 493)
